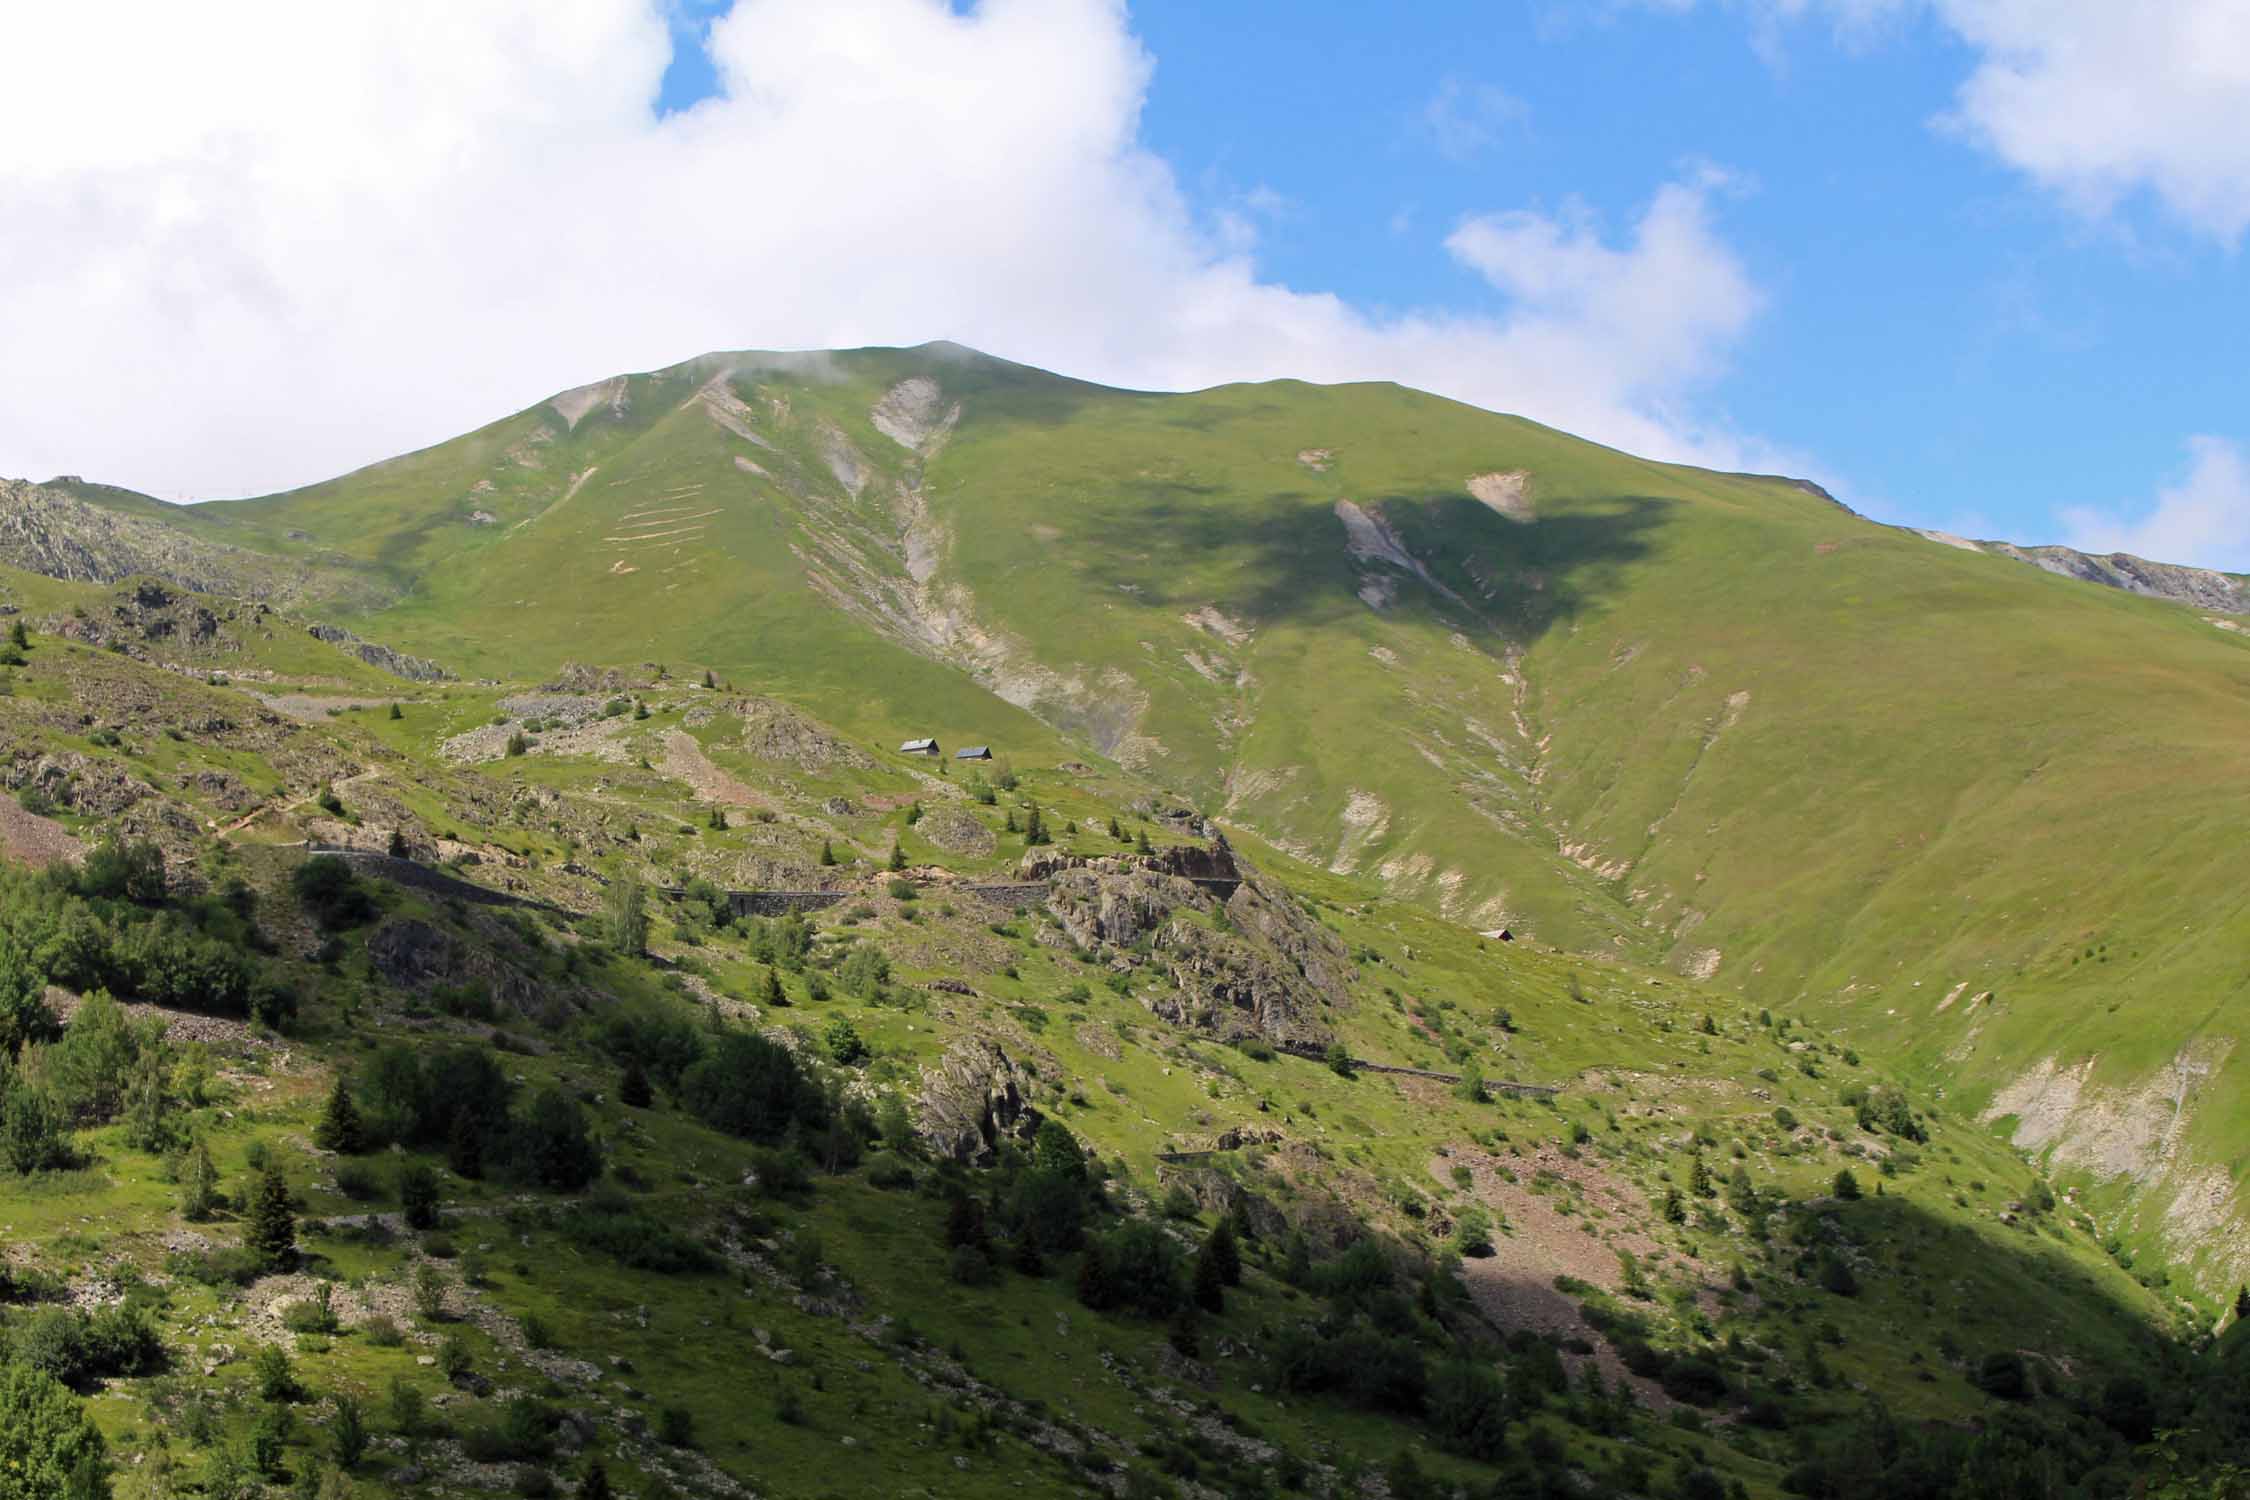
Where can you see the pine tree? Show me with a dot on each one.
(1116, 832)
(271, 1235)
(1035, 829)
(719, 819)
(770, 992)
(1699, 1177)
(18, 637)
(1675, 1210)
(418, 1196)
(199, 1185)
(1847, 1186)
(339, 1129)
(149, 1125)
(464, 1146)
(1140, 842)
(1225, 1253)
(632, 1090)
(1095, 1288)
(596, 1484)
(897, 861)
(827, 852)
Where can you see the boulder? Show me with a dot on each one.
(972, 1100)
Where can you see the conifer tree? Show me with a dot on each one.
(464, 1146)
(595, 1486)
(340, 1129)
(1210, 1282)
(1699, 1177)
(827, 852)
(271, 1234)
(1225, 1253)
(199, 1184)
(897, 860)
(632, 1090)
(770, 992)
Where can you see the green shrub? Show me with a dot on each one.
(49, 1446)
(330, 894)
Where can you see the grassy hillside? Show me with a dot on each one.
(1708, 722)
(1732, 1239)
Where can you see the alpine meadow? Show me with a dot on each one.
(1422, 957)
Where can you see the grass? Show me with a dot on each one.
(1911, 798)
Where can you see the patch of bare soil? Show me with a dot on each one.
(1507, 493)
(685, 760)
(308, 709)
(180, 1026)
(1550, 1231)
(33, 840)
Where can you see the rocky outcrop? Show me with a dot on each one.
(380, 657)
(416, 955)
(1243, 958)
(976, 1097)
(2199, 588)
(776, 732)
(52, 529)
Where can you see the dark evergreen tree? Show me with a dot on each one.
(897, 861)
(595, 1486)
(340, 1129)
(827, 852)
(418, 1195)
(1209, 1286)
(632, 1089)
(1095, 1288)
(1223, 1250)
(464, 1146)
(271, 1234)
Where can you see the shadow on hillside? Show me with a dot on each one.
(1284, 559)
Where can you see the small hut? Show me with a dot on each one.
(974, 752)
(921, 747)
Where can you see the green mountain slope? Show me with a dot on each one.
(905, 1195)
(1976, 812)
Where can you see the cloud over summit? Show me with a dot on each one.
(269, 241)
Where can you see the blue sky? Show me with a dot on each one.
(1973, 263)
(1941, 337)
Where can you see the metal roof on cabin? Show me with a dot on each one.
(974, 752)
(919, 745)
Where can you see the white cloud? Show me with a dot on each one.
(1466, 118)
(2203, 519)
(248, 246)
(2096, 100)
(2099, 100)
(1656, 313)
